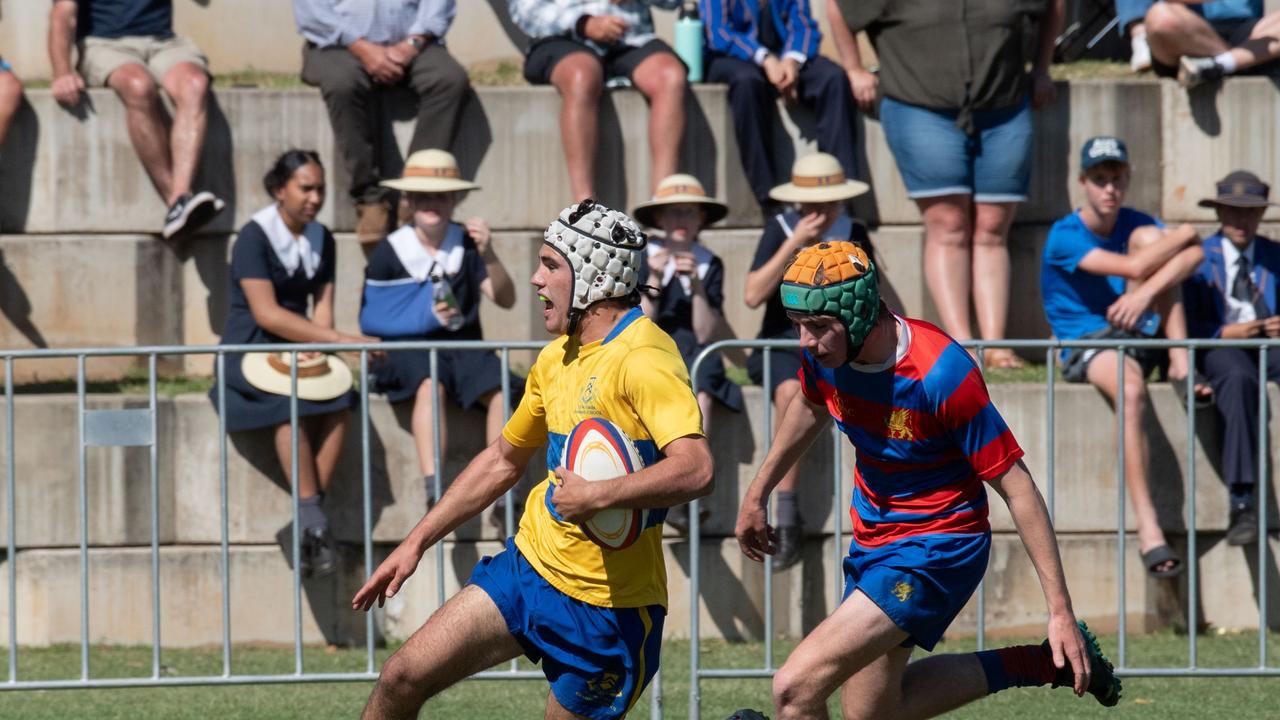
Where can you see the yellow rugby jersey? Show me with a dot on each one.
(636, 379)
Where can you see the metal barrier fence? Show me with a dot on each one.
(137, 427)
(697, 673)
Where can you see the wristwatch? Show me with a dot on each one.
(416, 42)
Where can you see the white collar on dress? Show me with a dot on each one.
(421, 262)
(292, 250)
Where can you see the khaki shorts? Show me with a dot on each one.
(99, 57)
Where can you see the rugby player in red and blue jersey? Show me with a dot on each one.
(914, 405)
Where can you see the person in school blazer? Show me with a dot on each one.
(1232, 295)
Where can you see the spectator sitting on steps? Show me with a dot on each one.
(130, 46)
(577, 46)
(354, 50)
(1113, 272)
(1202, 42)
(1231, 296)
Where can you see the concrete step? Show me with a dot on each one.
(65, 172)
(119, 497)
(54, 285)
(731, 605)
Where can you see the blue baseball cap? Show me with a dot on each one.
(1103, 148)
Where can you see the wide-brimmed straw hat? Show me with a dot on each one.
(818, 178)
(680, 189)
(1240, 189)
(430, 171)
(322, 377)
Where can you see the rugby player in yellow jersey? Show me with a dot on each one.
(593, 617)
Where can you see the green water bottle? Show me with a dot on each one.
(689, 39)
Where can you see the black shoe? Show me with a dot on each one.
(319, 551)
(746, 714)
(790, 542)
(498, 516)
(284, 538)
(1244, 525)
(1103, 683)
(678, 518)
(191, 212)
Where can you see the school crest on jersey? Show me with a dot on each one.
(587, 399)
(903, 591)
(899, 425)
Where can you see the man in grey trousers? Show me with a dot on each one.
(354, 50)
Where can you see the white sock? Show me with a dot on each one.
(1226, 61)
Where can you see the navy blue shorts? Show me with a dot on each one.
(597, 659)
(936, 158)
(921, 582)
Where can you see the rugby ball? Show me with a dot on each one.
(596, 449)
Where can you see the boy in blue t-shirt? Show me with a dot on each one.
(1114, 272)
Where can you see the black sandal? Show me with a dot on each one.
(1159, 555)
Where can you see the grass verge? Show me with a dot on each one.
(1143, 697)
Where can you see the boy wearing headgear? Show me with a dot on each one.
(913, 403)
(1232, 295)
(593, 617)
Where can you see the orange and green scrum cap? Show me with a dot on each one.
(836, 279)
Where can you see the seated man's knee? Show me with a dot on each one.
(1135, 394)
(579, 76)
(10, 89)
(1164, 20)
(662, 74)
(134, 84)
(1145, 237)
(187, 84)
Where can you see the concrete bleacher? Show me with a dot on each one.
(80, 265)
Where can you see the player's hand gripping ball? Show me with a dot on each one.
(596, 449)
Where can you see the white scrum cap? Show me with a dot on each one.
(603, 246)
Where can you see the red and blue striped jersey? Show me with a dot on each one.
(926, 435)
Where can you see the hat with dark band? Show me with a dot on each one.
(1240, 189)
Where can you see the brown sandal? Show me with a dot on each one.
(1003, 358)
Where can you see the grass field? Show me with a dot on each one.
(1237, 698)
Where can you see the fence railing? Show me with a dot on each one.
(137, 427)
(1051, 348)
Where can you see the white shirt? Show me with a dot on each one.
(1238, 311)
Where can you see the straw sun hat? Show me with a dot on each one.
(818, 178)
(680, 189)
(322, 377)
(430, 171)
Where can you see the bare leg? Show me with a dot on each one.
(422, 423)
(856, 635)
(1169, 305)
(10, 99)
(493, 421)
(1173, 30)
(1263, 44)
(661, 78)
(948, 259)
(930, 687)
(307, 485)
(145, 118)
(466, 635)
(782, 397)
(188, 86)
(1137, 450)
(329, 432)
(991, 264)
(580, 79)
(704, 404)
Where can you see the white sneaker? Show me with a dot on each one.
(1140, 55)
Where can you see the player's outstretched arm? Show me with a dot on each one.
(684, 473)
(494, 471)
(801, 423)
(1031, 517)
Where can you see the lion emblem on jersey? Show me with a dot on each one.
(899, 426)
(902, 591)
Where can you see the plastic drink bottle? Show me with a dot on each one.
(442, 292)
(689, 39)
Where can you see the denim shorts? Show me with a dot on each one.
(936, 158)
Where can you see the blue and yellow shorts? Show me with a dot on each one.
(597, 659)
(920, 582)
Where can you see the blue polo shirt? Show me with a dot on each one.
(1075, 301)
